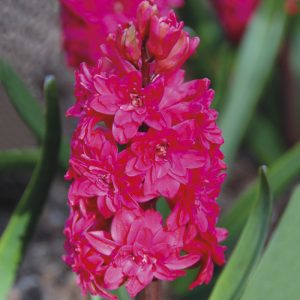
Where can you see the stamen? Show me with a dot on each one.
(137, 100)
(161, 150)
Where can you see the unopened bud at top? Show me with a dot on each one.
(145, 12)
(164, 34)
(182, 50)
(128, 43)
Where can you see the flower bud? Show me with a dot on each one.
(129, 43)
(145, 12)
(163, 35)
(182, 50)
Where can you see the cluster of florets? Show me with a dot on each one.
(87, 23)
(143, 133)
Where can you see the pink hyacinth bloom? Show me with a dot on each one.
(84, 260)
(143, 132)
(164, 157)
(141, 250)
(235, 15)
(86, 24)
(97, 172)
(84, 88)
(129, 102)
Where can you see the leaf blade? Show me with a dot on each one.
(17, 234)
(28, 108)
(23, 101)
(255, 59)
(276, 275)
(247, 252)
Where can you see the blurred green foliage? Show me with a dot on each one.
(29, 109)
(14, 240)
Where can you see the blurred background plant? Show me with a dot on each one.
(257, 82)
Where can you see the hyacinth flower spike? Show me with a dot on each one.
(143, 133)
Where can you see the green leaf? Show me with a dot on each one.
(28, 108)
(280, 175)
(255, 59)
(249, 247)
(26, 105)
(277, 274)
(18, 159)
(293, 82)
(21, 226)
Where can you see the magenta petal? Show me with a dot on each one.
(145, 238)
(163, 273)
(167, 186)
(177, 167)
(141, 165)
(192, 159)
(149, 186)
(134, 231)
(85, 188)
(162, 250)
(123, 117)
(205, 274)
(154, 221)
(121, 225)
(104, 104)
(124, 133)
(130, 268)
(222, 234)
(102, 244)
(113, 277)
(145, 276)
(162, 169)
(182, 262)
(134, 286)
(186, 129)
(130, 167)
